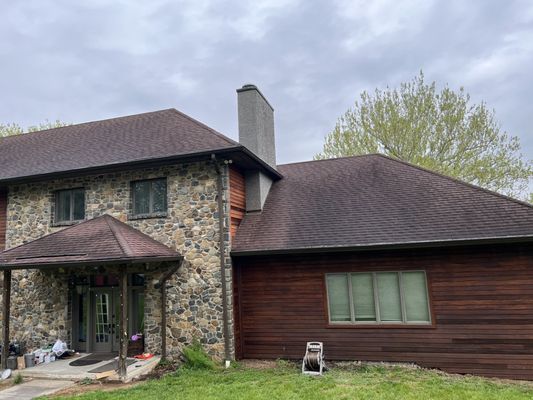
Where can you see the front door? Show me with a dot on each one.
(105, 304)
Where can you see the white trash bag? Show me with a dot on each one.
(59, 348)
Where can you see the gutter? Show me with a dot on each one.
(386, 246)
(145, 163)
(222, 252)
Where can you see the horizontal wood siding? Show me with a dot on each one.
(237, 211)
(3, 217)
(481, 301)
(237, 198)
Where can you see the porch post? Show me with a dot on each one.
(164, 321)
(6, 306)
(162, 286)
(123, 323)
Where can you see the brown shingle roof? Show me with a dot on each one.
(100, 240)
(135, 138)
(375, 200)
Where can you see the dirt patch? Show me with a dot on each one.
(91, 387)
(259, 364)
(107, 386)
(6, 384)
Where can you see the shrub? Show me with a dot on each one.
(196, 357)
(18, 379)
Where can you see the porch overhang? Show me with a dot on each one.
(97, 242)
(50, 264)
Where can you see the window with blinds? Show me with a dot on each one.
(149, 197)
(378, 297)
(69, 205)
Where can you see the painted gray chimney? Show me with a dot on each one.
(256, 133)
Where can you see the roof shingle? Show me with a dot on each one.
(375, 200)
(98, 240)
(148, 136)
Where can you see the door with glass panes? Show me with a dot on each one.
(105, 310)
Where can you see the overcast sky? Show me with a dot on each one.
(86, 60)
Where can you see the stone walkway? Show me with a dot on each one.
(34, 388)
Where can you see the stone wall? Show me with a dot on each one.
(40, 305)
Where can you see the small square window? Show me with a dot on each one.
(149, 198)
(70, 205)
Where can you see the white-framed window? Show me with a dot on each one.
(389, 297)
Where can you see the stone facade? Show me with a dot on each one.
(40, 300)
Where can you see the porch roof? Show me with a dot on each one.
(101, 240)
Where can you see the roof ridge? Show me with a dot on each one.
(328, 159)
(122, 242)
(459, 181)
(451, 178)
(222, 136)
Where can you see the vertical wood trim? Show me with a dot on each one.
(237, 198)
(239, 286)
(164, 320)
(123, 323)
(6, 306)
(3, 217)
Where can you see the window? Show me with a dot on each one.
(149, 197)
(378, 298)
(70, 205)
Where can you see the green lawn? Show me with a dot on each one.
(285, 382)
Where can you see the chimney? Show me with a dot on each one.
(256, 133)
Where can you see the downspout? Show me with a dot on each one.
(222, 251)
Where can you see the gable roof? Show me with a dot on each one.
(158, 135)
(99, 240)
(374, 200)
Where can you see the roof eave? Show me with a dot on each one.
(85, 263)
(385, 246)
(196, 156)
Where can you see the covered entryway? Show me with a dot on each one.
(102, 248)
(95, 299)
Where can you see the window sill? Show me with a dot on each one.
(379, 326)
(149, 216)
(66, 223)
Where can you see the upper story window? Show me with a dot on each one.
(378, 298)
(70, 205)
(149, 197)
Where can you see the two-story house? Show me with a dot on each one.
(157, 224)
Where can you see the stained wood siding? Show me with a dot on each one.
(3, 217)
(237, 198)
(237, 211)
(481, 301)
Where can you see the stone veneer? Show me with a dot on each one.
(40, 300)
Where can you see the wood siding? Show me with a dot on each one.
(237, 198)
(3, 217)
(237, 212)
(481, 301)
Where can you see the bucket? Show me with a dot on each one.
(12, 362)
(29, 360)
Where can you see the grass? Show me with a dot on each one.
(197, 358)
(18, 379)
(285, 382)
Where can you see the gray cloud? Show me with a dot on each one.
(88, 60)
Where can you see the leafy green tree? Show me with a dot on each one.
(438, 130)
(15, 129)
